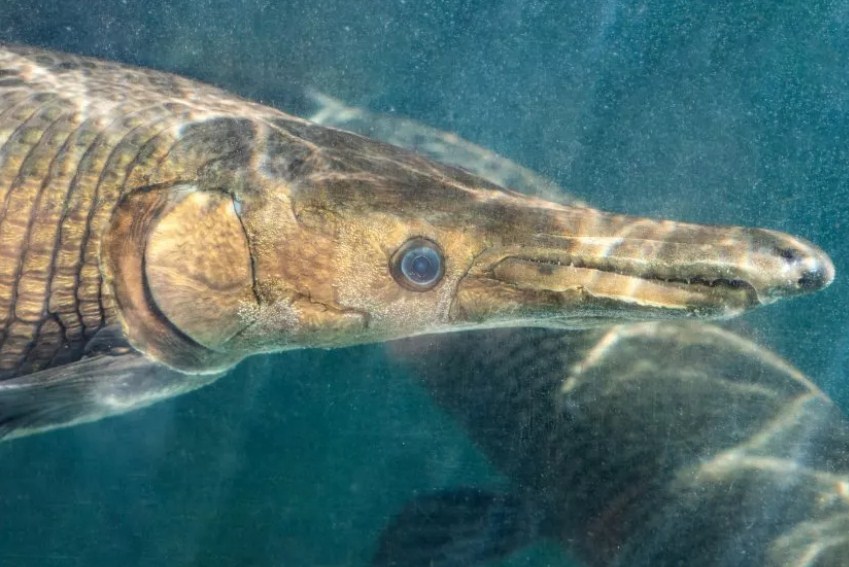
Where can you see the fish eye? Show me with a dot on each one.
(418, 265)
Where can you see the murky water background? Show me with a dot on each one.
(725, 112)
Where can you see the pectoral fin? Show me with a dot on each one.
(111, 379)
(456, 528)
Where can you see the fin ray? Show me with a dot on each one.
(112, 380)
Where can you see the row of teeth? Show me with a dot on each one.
(718, 282)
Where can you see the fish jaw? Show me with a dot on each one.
(592, 268)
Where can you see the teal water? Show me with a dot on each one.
(726, 112)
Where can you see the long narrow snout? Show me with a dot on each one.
(576, 267)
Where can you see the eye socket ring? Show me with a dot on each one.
(418, 264)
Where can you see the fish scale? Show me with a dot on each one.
(36, 202)
(66, 158)
(77, 135)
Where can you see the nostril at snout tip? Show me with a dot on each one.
(818, 275)
(813, 280)
(811, 268)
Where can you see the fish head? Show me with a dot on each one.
(353, 241)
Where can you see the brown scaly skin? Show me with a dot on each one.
(210, 228)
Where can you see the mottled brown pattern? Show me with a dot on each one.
(93, 155)
(78, 135)
(75, 136)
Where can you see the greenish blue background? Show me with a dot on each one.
(729, 112)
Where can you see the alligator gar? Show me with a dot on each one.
(155, 231)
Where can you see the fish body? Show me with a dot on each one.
(653, 444)
(161, 230)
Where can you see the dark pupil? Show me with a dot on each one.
(420, 265)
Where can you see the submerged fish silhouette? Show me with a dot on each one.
(651, 444)
(155, 231)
